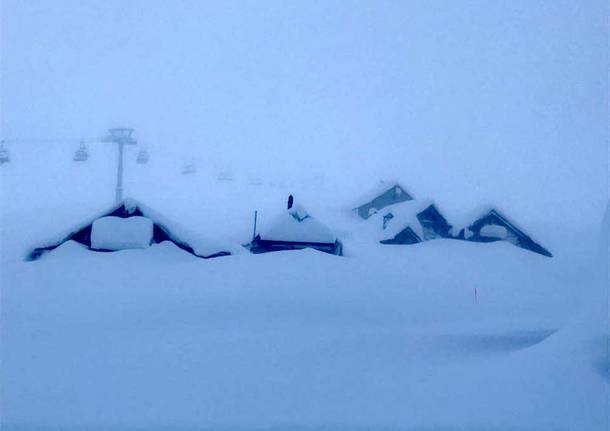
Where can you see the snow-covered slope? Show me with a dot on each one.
(440, 335)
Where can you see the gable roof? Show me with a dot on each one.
(184, 238)
(468, 219)
(379, 189)
(523, 240)
(404, 215)
(509, 223)
(463, 219)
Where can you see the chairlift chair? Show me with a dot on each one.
(225, 176)
(81, 155)
(255, 180)
(189, 168)
(142, 158)
(4, 155)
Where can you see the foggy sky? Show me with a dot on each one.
(501, 101)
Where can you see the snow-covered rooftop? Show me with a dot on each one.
(296, 225)
(404, 215)
(380, 188)
(462, 220)
(202, 246)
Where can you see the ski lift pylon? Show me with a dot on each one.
(121, 135)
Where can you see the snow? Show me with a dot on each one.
(297, 225)
(464, 219)
(381, 187)
(115, 233)
(202, 245)
(383, 338)
(466, 102)
(494, 231)
(405, 214)
(314, 339)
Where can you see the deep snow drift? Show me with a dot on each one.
(387, 337)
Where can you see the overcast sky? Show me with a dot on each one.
(501, 101)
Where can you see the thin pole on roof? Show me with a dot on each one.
(254, 233)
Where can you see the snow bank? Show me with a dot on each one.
(116, 233)
(145, 338)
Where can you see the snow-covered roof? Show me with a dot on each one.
(201, 246)
(296, 225)
(118, 233)
(380, 188)
(404, 215)
(467, 218)
(462, 219)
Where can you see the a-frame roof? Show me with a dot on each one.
(185, 239)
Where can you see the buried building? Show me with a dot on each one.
(295, 230)
(416, 221)
(491, 226)
(411, 222)
(385, 194)
(130, 225)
